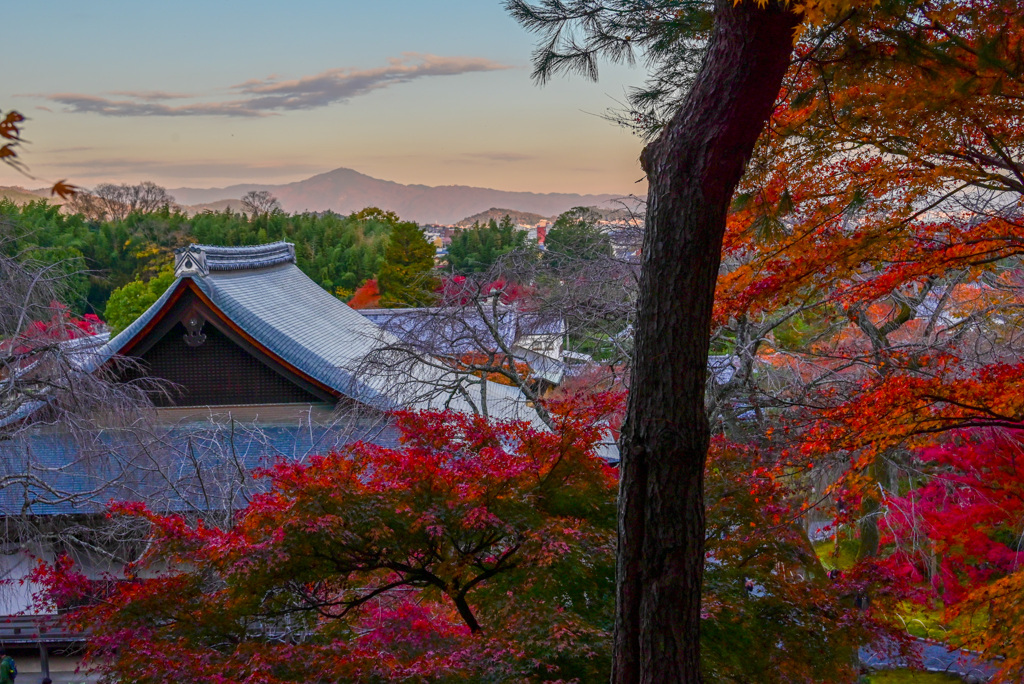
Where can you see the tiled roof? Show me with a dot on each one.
(461, 330)
(81, 354)
(185, 466)
(464, 329)
(263, 292)
(240, 258)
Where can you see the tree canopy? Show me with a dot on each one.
(476, 249)
(576, 234)
(474, 550)
(339, 253)
(406, 277)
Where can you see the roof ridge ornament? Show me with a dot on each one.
(199, 260)
(190, 261)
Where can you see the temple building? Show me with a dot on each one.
(248, 361)
(243, 326)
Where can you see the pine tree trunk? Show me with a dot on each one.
(693, 169)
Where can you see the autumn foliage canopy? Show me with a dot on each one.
(873, 270)
(471, 548)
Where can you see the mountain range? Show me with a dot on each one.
(344, 191)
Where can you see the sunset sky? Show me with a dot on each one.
(212, 93)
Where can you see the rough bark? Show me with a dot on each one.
(693, 169)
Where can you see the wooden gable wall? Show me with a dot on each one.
(208, 363)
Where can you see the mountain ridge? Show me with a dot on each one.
(497, 213)
(345, 190)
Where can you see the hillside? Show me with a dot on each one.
(235, 205)
(616, 213)
(345, 191)
(523, 217)
(22, 196)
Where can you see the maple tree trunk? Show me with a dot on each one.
(466, 613)
(868, 525)
(692, 169)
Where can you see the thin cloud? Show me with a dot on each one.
(66, 150)
(150, 95)
(140, 169)
(93, 104)
(499, 156)
(269, 96)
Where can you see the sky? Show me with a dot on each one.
(217, 92)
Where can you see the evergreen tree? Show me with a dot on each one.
(474, 250)
(576, 235)
(406, 277)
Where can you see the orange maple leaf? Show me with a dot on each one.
(64, 189)
(9, 126)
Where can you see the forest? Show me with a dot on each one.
(133, 253)
(340, 253)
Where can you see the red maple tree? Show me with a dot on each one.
(473, 547)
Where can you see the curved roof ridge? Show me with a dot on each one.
(201, 259)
